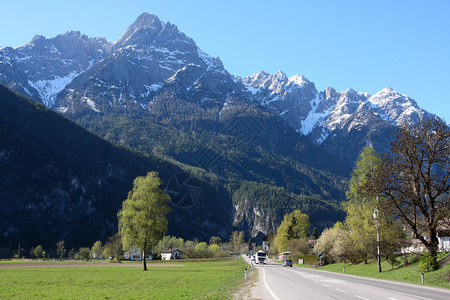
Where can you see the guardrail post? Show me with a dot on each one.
(423, 278)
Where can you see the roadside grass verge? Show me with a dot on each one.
(199, 280)
(409, 274)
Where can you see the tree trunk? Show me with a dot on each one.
(433, 244)
(145, 262)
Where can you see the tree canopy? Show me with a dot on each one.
(295, 225)
(363, 206)
(142, 219)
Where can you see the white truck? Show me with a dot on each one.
(261, 257)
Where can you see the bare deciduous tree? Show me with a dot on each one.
(416, 178)
(60, 249)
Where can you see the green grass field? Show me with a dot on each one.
(410, 274)
(194, 280)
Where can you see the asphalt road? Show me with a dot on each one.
(280, 283)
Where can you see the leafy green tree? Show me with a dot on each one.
(236, 240)
(38, 251)
(169, 242)
(84, 253)
(295, 225)
(368, 219)
(214, 248)
(298, 246)
(96, 249)
(201, 246)
(44, 255)
(315, 233)
(113, 247)
(143, 217)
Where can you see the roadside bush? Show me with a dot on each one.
(308, 259)
(428, 264)
(393, 260)
(83, 254)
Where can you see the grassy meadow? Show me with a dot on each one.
(192, 280)
(410, 273)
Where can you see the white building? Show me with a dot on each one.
(444, 238)
(172, 254)
(414, 246)
(135, 254)
(265, 243)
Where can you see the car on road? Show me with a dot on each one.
(287, 263)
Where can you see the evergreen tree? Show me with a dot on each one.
(295, 225)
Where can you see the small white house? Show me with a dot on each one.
(265, 243)
(444, 238)
(414, 246)
(135, 254)
(172, 254)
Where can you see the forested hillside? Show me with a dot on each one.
(59, 181)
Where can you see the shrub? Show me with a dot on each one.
(84, 253)
(393, 260)
(428, 263)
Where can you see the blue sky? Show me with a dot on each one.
(364, 45)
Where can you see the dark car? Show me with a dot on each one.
(287, 263)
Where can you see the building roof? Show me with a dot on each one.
(172, 251)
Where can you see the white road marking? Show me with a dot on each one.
(325, 285)
(362, 297)
(316, 281)
(392, 298)
(267, 287)
(342, 291)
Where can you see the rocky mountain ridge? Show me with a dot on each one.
(299, 103)
(75, 75)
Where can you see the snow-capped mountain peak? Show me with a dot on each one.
(145, 21)
(319, 114)
(396, 108)
(299, 80)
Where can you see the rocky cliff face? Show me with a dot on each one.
(44, 67)
(253, 219)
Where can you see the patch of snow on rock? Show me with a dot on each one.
(48, 89)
